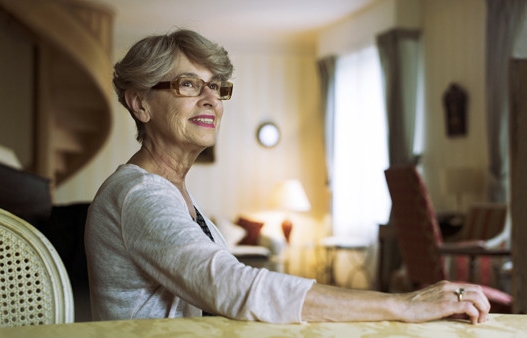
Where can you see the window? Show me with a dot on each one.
(361, 199)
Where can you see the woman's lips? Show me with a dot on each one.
(204, 121)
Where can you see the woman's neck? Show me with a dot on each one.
(161, 163)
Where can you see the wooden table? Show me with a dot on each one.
(501, 326)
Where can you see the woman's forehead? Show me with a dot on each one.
(183, 65)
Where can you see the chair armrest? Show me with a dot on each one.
(471, 248)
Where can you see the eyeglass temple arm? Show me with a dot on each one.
(162, 85)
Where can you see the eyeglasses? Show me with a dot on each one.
(193, 86)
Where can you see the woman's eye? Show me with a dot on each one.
(186, 83)
(214, 86)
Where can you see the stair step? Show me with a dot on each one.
(65, 141)
(82, 121)
(60, 163)
(75, 98)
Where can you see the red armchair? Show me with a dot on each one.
(419, 238)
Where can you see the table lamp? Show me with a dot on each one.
(289, 196)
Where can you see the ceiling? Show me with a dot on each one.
(231, 21)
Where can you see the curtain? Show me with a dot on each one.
(504, 18)
(326, 68)
(398, 51)
(360, 197)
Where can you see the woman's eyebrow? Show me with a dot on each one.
(194, 75)
(188, 74)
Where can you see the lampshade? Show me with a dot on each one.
(289, 195)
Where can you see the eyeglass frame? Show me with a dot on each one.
(174, 84)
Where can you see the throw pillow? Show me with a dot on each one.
(253, 230)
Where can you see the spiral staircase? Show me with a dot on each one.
(73, 44)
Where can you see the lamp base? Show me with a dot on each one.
(287, 227)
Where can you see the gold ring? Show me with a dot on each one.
(459, 293)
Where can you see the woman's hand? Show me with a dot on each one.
(441, 300)
(445, 299)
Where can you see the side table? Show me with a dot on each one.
(330, 246)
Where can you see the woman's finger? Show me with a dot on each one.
(473, 301)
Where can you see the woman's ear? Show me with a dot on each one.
(134, 100)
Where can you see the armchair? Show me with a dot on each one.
(484, 231)
(419, 238)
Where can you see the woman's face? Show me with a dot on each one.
(185, 124)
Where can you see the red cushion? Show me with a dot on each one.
(497, 296)
(253, 230)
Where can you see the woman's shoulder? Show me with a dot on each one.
(129, 177)
(133, 173)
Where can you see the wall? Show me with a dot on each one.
(454, 48)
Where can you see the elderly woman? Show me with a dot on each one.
(152, 254)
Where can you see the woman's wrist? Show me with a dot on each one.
(397, 306)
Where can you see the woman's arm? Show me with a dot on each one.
(327, 303)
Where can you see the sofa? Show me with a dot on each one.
(252, 246)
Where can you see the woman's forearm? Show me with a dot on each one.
(440, 300)
(327, 303)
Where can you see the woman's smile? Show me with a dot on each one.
(206, 121)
